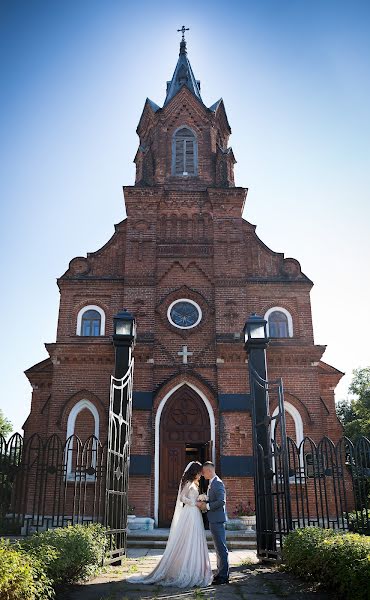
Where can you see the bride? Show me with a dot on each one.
(185, 561)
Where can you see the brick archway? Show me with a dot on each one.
(184, 422)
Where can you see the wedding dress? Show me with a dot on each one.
(185, 562)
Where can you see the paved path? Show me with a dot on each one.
(248, 581)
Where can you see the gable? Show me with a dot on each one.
(183, 272)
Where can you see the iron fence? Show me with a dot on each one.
(47, 483)
(322, 484)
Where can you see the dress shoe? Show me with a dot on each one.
(220, 581)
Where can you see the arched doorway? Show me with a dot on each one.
(185, 435)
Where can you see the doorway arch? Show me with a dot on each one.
(184, 422)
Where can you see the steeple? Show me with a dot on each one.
(183, 74)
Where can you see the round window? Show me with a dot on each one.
(184, 313)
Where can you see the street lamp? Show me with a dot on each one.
(124, 327)
(255, 343)
(119, 433)
(255, 330)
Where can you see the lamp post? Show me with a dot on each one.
(124, 334)
(124, 326)
(255, 343)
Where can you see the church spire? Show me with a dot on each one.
(183, 74)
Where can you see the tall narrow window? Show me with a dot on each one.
(90, 323)
(184, 153)
(278, 325)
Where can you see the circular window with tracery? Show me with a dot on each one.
(184, 313)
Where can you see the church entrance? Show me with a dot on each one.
(185, 435)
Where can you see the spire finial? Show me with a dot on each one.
(182, 30)
(183, 41)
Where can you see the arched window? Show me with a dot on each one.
(184, 153)
(90, 321)
(279, 323)
(296, 433)
(297, 420)
(88, 425)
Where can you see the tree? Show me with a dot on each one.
(354, 414)
(5, 425)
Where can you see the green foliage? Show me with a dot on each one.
(22, 577)
(70, 554)
(5, 425)
(340, 561)
(359, 521)
(30, 570)
(355, 414)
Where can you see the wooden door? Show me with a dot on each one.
(184, 421)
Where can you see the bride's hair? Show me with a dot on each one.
(191, 473)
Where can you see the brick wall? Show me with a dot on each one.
(183, 238)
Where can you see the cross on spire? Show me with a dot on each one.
(182, 30)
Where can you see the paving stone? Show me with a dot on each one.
(137, 552)
(247, 582)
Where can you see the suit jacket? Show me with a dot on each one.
(216, 501)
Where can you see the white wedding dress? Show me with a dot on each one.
(185, 562)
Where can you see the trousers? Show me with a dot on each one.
(219, 539)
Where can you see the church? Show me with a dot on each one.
(190, 269)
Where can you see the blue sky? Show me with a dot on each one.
(295, 78)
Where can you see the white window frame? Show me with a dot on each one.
(286, 313)
(173, 166)
(190, 302)
(71, 422)
(299, 436)
(82, 312)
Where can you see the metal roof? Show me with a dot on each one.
(183, 75)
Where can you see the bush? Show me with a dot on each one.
(359, 521)
(22, 577)
(340, 561)
(70, 554)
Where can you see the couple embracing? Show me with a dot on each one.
(185, 561)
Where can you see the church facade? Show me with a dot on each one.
(191, 270)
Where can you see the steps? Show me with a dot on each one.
(157, 539)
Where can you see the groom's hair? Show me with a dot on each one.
(208, 463)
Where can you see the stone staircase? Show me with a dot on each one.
(157, 539)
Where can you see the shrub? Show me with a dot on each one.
(359, 521)
(22, 577)
(340, 561)
(70, 554)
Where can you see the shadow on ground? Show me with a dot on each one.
(247, 582)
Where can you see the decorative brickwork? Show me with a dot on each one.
(184, 238)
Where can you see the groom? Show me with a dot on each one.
(215, 508)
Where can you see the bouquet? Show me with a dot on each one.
(203, 498)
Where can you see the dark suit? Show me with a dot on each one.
(216, 518)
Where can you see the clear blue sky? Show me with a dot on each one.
(295, 78)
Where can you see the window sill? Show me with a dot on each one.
(71, 477)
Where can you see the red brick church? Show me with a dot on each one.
(191, 270)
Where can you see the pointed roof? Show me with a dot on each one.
(183, 75)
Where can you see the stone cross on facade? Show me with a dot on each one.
(184, 353)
